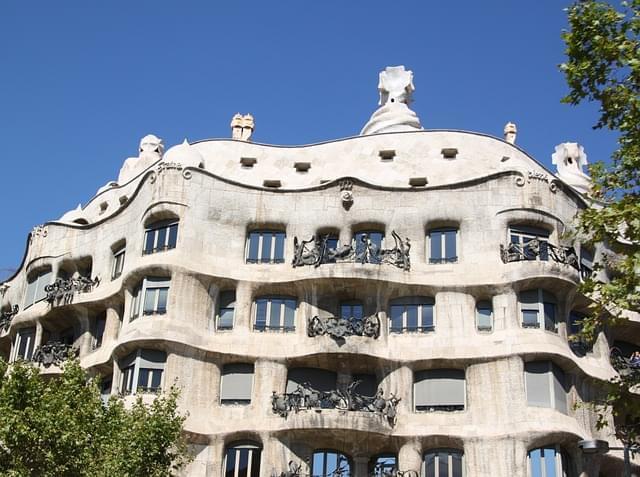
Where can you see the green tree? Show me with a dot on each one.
(603, 66)
(60, 427)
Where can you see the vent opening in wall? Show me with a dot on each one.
(103, 207)
(449, 152)
(273, 183)
(248, 162)
(418, 181)
(302, 166)
(387, 154)
(123, 199)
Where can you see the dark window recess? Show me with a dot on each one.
(160, 236)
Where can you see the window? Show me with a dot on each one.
(442, 245)
(142, 370)
(98, 331)
(351, 309)
(439, 390)
(319, 379)
(484, 315)
(521, 235)
(236, 384)
(150, 298)
(226, 310)
(35, 287)
(412, 314)
(538, 308)
(275, 314)
(160, 236)
(24, 344)
(545, 385)
(368, 246)
(265, 246)
(547, 462)
(105, 388)
(328, 463)
(586, 263)
(118, 263)
(443, 463)
(242, 460)
(383, 465)
(67, 336)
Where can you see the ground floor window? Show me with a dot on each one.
(328, 463)
(547, 462)
(443, 463)
(242, 460)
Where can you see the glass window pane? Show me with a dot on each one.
(100, 325)
(289, 314)
(530, 319)
(549, 455)
(261, 313)
(265, 255)
(143, 379)
(357, 312)
(43, 280)
(162, 238)
(173, 236)
(254, 241)
(549, 317)
(427, 316)
(450, 244)
(436, 245)
(279, 247)
(243, 464)
(537, 383)
(535, 460)
(430, 465)
(544, 250)
(456, 464)
(396, 318)
(276, 310)
(376, 239)
(156, 379)
(443, 464)
(162, 300)
(412, 317)
(149, 241)
(150, 300)
(225, 321)
(255, 463)
(361, 244)
(230, 463)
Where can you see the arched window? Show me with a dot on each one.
(412, 315)
(484, 315)
(443, 245)
(547, 461)
(265, 246)
(161, 235)
(439, 390)
(242, 459)
(523, 237)
(24, 344)
(538, 309)
(368, 246)
(273, 313)
(226, 310)
(383, 465)
(546, 386)
(329, 463)
(36, 281)
(443, 463)
(150, 297)
(142, 370)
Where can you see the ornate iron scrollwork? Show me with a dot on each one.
(625, 365)
(53, 353)
(61, 291)
(316, 252)
(339, 328)
(305, 397)
(539, 250)
(6, 317)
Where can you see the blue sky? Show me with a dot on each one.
(82, 82)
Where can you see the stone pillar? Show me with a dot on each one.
(400, 383)
(410, 456)
(112, 325)
(85, 338)
(361, 466)
(216, 457)
(269, 376)
(189, 300)
(275, 456)
(38, 337)
(244, 299)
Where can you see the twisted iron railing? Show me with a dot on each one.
(305, 397)
(317, 251)
(339, 328)
(61, 292)
(6, 317)
(53, 353)
(537, 249)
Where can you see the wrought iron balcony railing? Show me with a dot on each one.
(339, 328)
(53, 353)
(295, 470)
(412, 329)
(541, 250)
(61, 292)
(625, 365)
(264, 327)
(305, 397)
(317, 251)
(6, 317)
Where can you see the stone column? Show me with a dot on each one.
(244, 299)
(85, 338)
(410, 456)
(38, 337)
(189, 300)
(269, 376)
(361, 466)
(112, 325)
(400, 382)
(274, 457)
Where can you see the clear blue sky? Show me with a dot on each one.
(82, 82)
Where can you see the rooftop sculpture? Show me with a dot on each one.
(151, 150)
(395, 87)
(570, 159)
(242, 127)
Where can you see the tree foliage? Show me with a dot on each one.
(603, 66)
(60, 427)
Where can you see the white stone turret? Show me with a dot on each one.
(510, 132)
(570, 159)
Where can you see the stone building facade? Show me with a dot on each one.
(400, 299)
